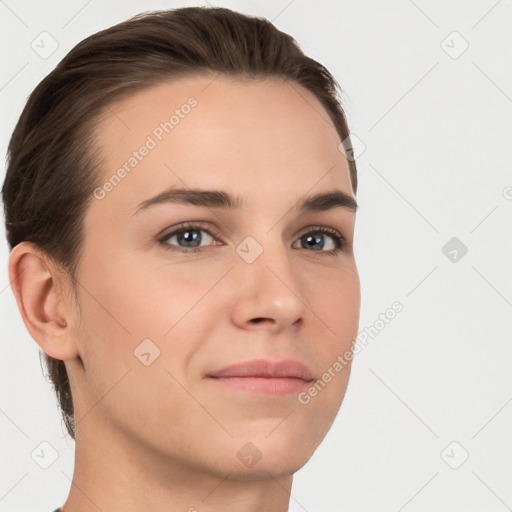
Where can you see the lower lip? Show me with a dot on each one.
(267, 385)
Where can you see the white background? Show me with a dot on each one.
(436, 165)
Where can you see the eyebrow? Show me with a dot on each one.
(221, 199)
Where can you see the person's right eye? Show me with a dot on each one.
(188, 237)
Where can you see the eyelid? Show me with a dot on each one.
(320, 227)
(189, 225)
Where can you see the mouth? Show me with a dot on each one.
(265, 376)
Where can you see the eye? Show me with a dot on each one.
(322, 239)
(192, 237)
(188, 238)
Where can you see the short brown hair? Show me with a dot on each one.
(52, 170)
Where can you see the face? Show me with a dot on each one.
(176, 290)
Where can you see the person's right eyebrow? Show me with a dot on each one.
(195, 197)
(222, 199)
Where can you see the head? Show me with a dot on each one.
(166, 195)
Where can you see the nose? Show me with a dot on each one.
(267, 292)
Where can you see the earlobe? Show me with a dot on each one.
(36, 287)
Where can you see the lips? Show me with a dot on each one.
(265, 376)
(264, 368)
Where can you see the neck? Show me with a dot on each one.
(114, 473)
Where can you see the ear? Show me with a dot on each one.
(38, 287)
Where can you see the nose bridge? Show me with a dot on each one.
(267, 260)
(269, 286)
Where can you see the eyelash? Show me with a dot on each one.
(339, 241)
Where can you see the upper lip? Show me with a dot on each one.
(267, 369)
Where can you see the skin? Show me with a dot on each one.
(165, 437)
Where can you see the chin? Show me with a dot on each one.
(273, 466)
(279, 454)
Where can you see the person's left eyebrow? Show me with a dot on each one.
(222, 199)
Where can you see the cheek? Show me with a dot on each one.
(129, 313)
(174, 299)
(134, 297)
(138, 309)
(335, 301)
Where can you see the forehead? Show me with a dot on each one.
(247, 136)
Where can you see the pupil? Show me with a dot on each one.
(312, 240)
(191, 238)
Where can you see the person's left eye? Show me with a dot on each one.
(316, 240)
(192, 237)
